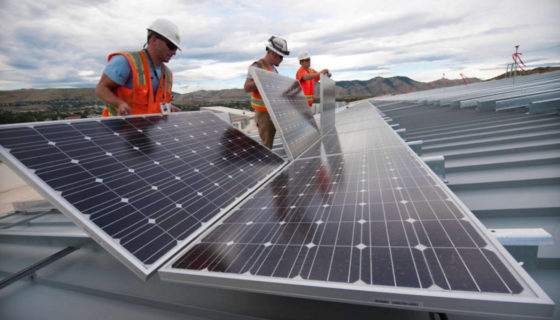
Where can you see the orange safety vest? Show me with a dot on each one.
(256, 100)
(141, 97)
(307, 85)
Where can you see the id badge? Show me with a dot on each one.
(165, 108)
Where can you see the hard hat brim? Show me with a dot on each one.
(175, 43)
(170, 40)
(271, 48)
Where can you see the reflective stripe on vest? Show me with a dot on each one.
(308, 85)
(309, 98)
(256, 100)
(141, 98)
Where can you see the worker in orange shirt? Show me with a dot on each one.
(307, 76)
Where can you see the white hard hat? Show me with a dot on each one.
(278, 45)
(167, 29)
(303, 55)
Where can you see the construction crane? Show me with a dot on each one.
(464, 79)
(511, 68)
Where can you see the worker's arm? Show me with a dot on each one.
(314, 75)
(250, 85)
(104, 91)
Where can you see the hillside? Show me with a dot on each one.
(212, 96)
(528, 72)
(42, 95)
(382, 86)
(40, 99)
(344, 90)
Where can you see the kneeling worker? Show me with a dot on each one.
(307, 76)
(125, 85)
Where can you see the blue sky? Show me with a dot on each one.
(55, 44)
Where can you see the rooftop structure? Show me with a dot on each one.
(503, 165)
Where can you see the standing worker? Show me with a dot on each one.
(276, 50)
(124, 85)
(307, 76)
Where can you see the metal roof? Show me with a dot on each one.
(504, 165)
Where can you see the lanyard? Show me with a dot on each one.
(160, 83)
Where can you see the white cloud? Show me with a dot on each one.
(65, 43)
(213, 70)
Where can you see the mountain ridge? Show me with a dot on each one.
(351, 89)
(345, 90)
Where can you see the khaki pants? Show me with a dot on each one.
(266, 128)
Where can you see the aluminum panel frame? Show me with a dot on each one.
(288, 109)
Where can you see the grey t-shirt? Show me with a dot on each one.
(256, 65)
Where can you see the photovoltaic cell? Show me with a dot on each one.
(288, 109)
(351, 208)
(368, 224)
(142, 186)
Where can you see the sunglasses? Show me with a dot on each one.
(169, 44)
(305, 60)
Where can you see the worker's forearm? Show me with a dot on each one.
(107, 95)
(250, 85)
(310, 76)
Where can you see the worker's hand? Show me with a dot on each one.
(175, 109)
(124, 109)
(324, 71)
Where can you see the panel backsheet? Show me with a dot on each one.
(141, 185)
(328, 106)
(289, 111)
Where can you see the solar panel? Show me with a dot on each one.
(366, 226)
(355, 130)
(288, 109)
(328, 97)
(142, 186)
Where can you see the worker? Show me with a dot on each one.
(124, 85)
(307, 76)
(276, 50)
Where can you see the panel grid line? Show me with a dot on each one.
(143, 184)
(154, 226)
(478, 248)
(384, 230)
(410, 248)
(451, 240)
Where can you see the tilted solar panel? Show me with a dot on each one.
(355, 131)
(368, 226)
(328, 99)
(142, 186)
(288, 109)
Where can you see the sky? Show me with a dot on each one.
(65, 43)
